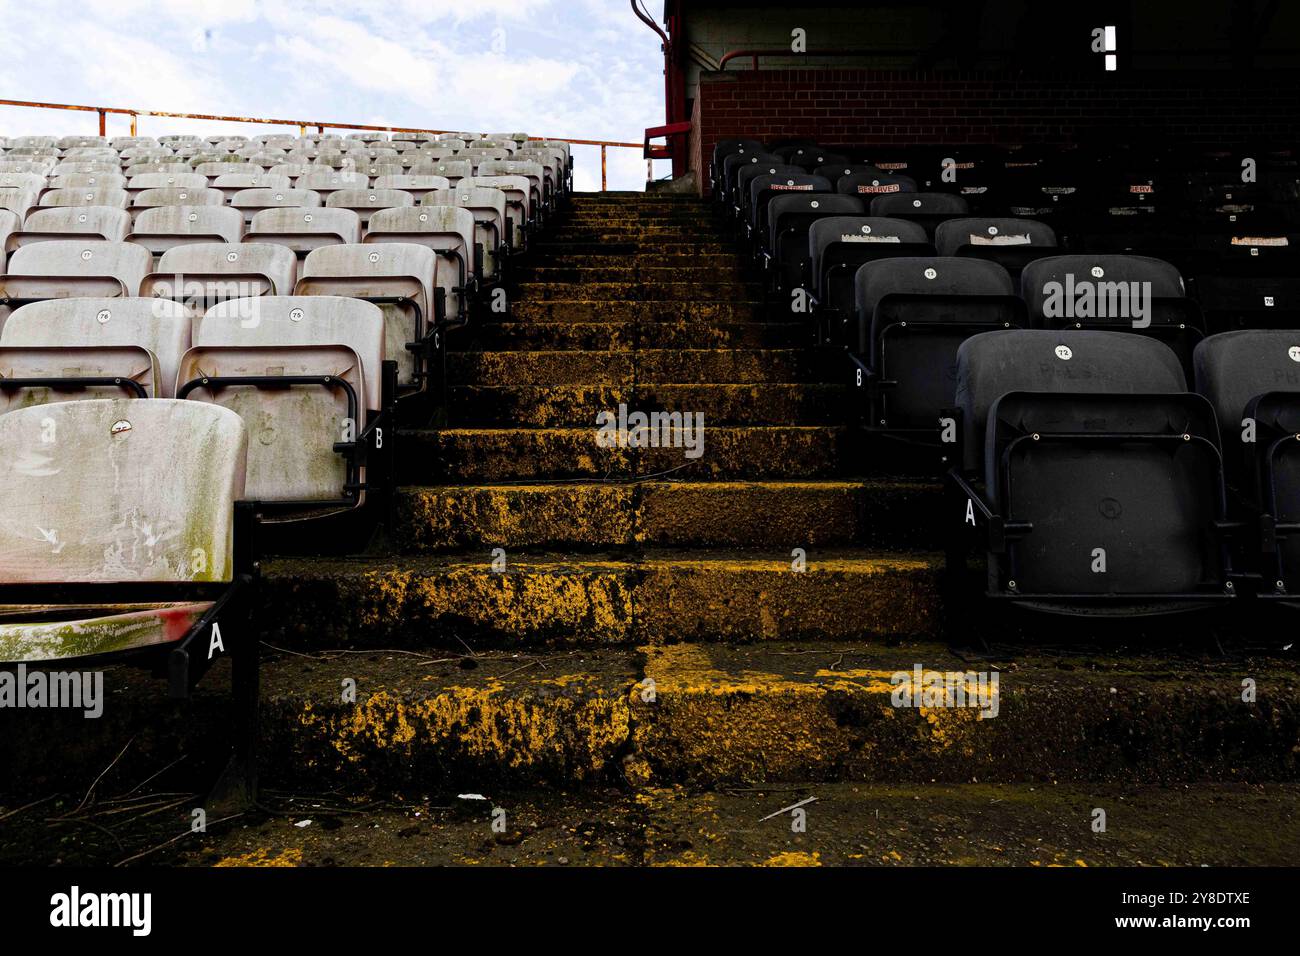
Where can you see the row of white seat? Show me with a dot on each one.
(67, 349)
(437, 246)
(426, 190)
(309, 160)
(280, 140)
(326, 153)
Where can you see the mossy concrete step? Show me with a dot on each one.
(591, 600)
(557, 248)
(707, 288)
(632, 197)
(648, 259)
(720, 715)
(587, 310)
(625, 368)
(1191, 825)
(617, 270)
(778, 714)
(643, 232)
(461, 455)
(575, 405)
(893, 514)
(674, 220)
(598, 336)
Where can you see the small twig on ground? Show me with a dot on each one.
(155, 775)
(91, 791)
(166, 843)
(82, 821)
(34, 803)
(793, 806)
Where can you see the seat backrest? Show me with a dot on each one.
(413, 185)
(275, 264)
(1232, 368)
(90, 196)
(154, 224)
(105, 222)
(168, 180)
(178, 196)
(833, 230)
(87, 180)
(328, 180)
(363, 200)
(837, 171)
(119, 490)
(374, 261)
(928, 275)
(919, 204)
(235, 182)
(747, 173)
(379, 270)
(312, 226)
(1096, 288)
(952, 235)
(923, 276)
(125, 261)
(802, 205)
(301, 320)
(872, 184)
(223, 168)
(451, 169)
(991, 364)
(450, 222)
(159, 325)
(259, 198)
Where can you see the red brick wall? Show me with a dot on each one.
(851, 107)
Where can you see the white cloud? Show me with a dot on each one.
(564, 68)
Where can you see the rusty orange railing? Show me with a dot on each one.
(302, 125)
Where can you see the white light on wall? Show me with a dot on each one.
(1108, 40)
(1111, 62)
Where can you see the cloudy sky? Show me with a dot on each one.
(583, 69)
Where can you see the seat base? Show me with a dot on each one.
(30, 634)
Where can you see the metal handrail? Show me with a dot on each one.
(320, 125)
(884, 52)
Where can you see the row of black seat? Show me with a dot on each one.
(1117, 439)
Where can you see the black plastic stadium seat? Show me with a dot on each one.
(746, 174)
(789, 219)
(731, 168)
(912, 315)
(927, 210)
(1011, 243)
(1092, 478)
(1122, 293)
(869, 185)
(837, 246)
(764, 188)
(1252, 378)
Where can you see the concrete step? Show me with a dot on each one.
(593, 600)
(576, 405)
(620, 270)
(587, 310)
(626, 368)
(928, 825)
(460, 455)
(779, 714)
(706, 288)
(565, 248)
(888, 514)
(614, 336)
(647, 259)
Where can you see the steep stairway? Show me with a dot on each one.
(635, 301)
(613, 621)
